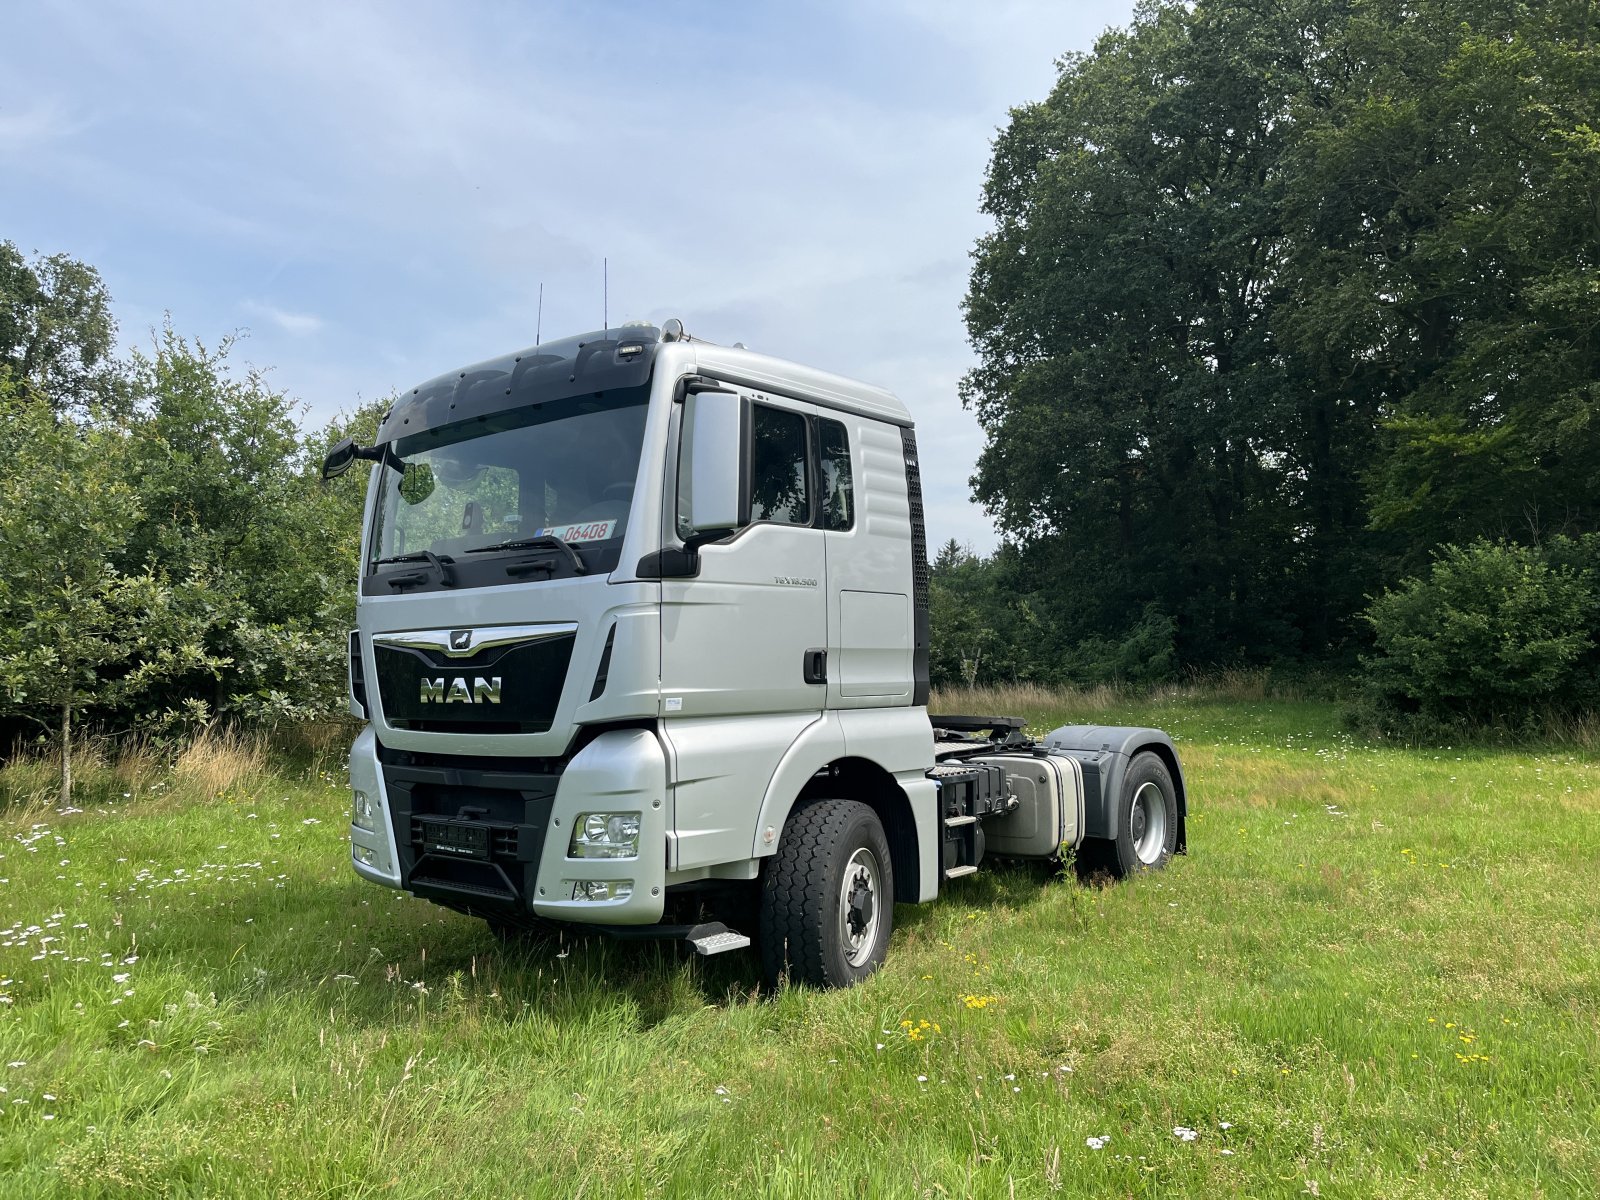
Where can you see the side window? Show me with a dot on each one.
(838, 498)
(779, 490)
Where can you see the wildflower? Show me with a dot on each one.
(1184, 1133)
(1097, 1143)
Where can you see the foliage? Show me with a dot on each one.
(1279, 299)
(76, 632)
(171, 559)
(1495, 635)
(56, 332)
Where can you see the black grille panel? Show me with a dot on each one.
(513, 805)
(503, 689)
(919, 528)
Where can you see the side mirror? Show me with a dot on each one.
(711, 430)
(340, 458)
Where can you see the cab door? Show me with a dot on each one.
(744, 642)
(749, 633)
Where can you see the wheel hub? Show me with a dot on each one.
(859, 912)
(861, 904)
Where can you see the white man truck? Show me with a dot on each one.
(642, 646)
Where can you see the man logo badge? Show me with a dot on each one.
(460, 639)
(480, 691)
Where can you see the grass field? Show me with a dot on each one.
(1377, 973)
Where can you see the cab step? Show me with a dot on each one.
(716, 938)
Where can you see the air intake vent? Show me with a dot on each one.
(604, 672)
(358, 679)
(922, 627)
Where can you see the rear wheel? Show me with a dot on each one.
(827, 897)
(1147, 821)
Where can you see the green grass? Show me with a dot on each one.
(1378, 968)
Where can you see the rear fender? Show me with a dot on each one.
(1105, 752)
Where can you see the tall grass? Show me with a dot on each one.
(1230, 686)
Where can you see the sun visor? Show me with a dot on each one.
(592, 362)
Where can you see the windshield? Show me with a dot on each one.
(562, 469)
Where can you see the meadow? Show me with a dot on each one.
(1376, 973)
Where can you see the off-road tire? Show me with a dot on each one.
(802, 894)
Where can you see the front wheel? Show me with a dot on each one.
(1147, 821)
(827, 897)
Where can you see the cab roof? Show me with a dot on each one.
(619, 357)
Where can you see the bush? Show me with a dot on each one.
(1146, 654)
(1496, 636)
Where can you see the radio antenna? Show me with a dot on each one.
(538, 326)
(605, 294)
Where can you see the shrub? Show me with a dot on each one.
(1497, 635)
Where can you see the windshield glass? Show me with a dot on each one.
(561, 469)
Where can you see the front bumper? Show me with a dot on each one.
(529, 816)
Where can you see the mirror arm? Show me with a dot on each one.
(693, 385)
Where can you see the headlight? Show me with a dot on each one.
(605, 835)
(363, 813)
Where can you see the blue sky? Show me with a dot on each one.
(376, 191)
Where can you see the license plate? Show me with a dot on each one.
(463, 841)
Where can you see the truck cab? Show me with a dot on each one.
(642, 632)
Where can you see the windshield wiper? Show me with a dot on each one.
(542, 542)
(441, 564)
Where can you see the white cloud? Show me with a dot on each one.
(39, 123)
(293, 323)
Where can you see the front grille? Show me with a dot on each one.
(503, 689)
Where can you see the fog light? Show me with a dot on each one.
(363, 813)
(363, 856)
(605, 835)
(602, 889)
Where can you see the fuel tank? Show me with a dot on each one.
(1049, 813)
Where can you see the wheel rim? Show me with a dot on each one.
(1147, 824)
(860, 909)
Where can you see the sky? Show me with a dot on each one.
(376, 192)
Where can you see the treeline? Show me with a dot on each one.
(1282, 301)
(168, 555)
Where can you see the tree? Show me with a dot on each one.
(1448, 264)
(230, 493)
(56, 332)
(74, 630)
(1139, 415)
(1280, 298)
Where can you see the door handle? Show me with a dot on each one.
(816, 666)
